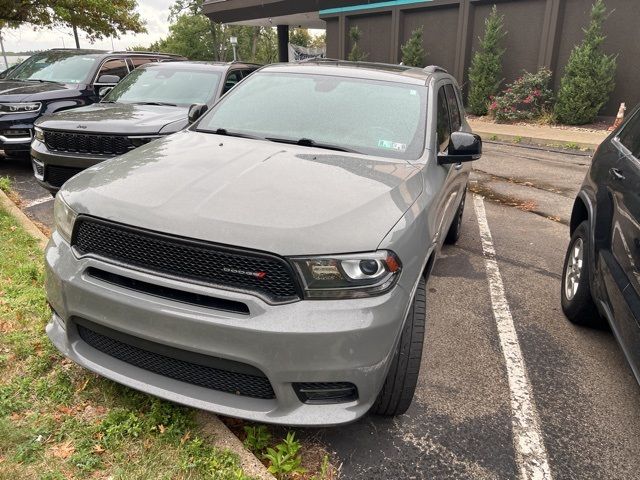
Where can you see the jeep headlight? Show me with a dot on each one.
(25, 107)
(64, 218)
(38, 134)
(348, 276)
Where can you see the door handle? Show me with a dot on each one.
(616, 173)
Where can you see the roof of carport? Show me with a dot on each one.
(286, 11)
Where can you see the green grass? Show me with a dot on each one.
(5, 184)
(58, 421)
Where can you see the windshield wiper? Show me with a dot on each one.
(40, 80)
(228, 133)
(164, 104)
(308, 142)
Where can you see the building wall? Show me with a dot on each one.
(540, 33)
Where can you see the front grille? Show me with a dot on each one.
(87, 143)
(56, 176)
(192, 368)
(265, 275)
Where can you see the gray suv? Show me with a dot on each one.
(269, 262)
(153, 100)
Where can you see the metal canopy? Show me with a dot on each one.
(241, 11)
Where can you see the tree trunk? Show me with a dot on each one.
(254, 43)
(75, 35)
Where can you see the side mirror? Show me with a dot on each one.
(108, 79)
(463, 147)
(103, 91)
(196, 111)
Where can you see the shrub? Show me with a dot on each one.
(356, 54)
(486, 65)
(413, 52)
(589, 77)
(527, 98)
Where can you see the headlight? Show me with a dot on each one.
(38, 134)
(138, 141)
(348, 276)
(64, 218)
(29, 107)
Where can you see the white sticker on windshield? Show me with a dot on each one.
(398, 147)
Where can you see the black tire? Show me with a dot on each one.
(456, 225)
(580, 308)
(400, 384)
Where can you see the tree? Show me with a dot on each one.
(356, 54)
(300, 37)
(190, 36)
(589, 77)
(412, 51)
(486, 66)
(97, 18)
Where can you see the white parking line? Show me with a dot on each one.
(38, 201)
(530, 450)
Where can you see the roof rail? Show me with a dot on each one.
(145, 52)
(434, 69)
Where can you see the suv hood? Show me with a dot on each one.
(289, 200)
(21, 91)
(123, 118)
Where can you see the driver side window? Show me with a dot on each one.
(443, 127)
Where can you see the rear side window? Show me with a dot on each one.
(443, 127)
(454, 109)
(630, 135)
(117, 67)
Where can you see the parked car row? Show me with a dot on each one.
(57, 80)
(263, 251)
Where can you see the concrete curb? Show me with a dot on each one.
(215, 431)
(24, 221)
(221, 437)
(544, 136)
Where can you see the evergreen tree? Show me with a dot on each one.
(589, 77)
(486, 66)
(356, 54)
(412, 51)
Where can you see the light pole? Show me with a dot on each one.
(234, 43)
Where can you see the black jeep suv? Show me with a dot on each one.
(57, 80)
(601, 273)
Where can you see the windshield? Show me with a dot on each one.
(164, 85)
(55, 66)
(365, 116)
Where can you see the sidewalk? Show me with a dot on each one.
(573, 137)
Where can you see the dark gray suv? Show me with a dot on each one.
(270, 261)
(154, 100)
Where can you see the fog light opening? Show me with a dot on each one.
(323, 393)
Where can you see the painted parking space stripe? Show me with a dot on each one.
(531, 454)
(38, 201)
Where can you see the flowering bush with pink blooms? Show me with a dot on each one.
(527, 98)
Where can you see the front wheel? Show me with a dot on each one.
(576, 300)
(400, 384)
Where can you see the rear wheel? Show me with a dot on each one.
(400, 384)
(576, 300)
(456, 226)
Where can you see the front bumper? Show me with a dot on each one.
(16, 133)
(52, 169)
(306, 341)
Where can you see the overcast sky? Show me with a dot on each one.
(154, 12)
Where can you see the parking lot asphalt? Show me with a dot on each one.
(466, 421)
